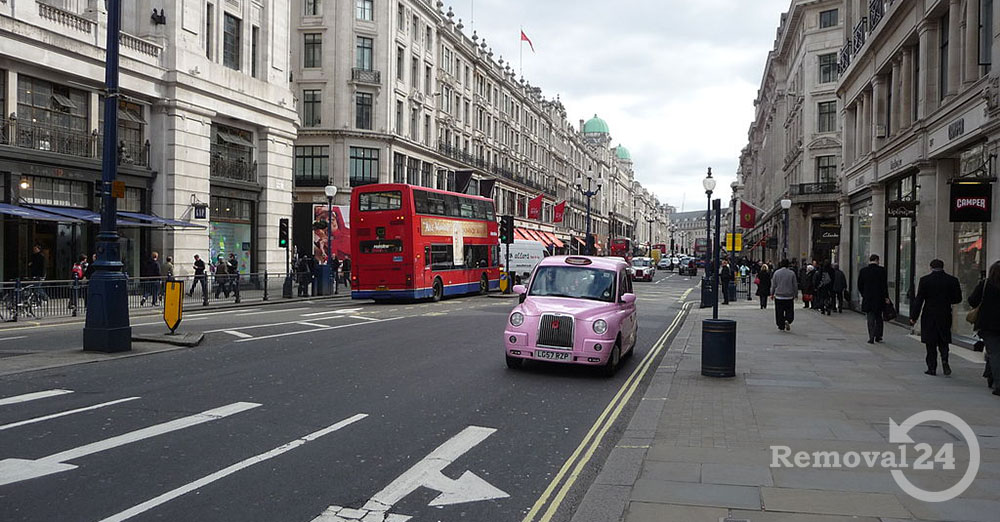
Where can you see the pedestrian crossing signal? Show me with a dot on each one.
(283, 233)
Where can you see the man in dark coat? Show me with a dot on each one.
(839, 286)
(936, 292)
(873, 286)
(149, 272)
(725, 277)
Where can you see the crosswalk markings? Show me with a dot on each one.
(208, 479)
(16, 470)
(65, 413)
(239, 334)
(33, 396)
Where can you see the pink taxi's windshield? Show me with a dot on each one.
(577, 282)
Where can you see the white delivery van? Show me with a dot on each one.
(524, 255)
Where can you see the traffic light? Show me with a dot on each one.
(506, 230)
(283, 233)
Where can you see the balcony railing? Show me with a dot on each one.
(233, 164)
(876, 11)
(808, 189)
(860, 34)
(67, 18)
(130, 152)
(139, 45)
(49, 138)
(845, 57)
(490, 168)
(366, 76)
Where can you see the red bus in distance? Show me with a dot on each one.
(621, 247)
(410, 242)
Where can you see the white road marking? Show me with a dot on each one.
(427, 473)
(64, 413)
(160, 322)
(314, 325)
(337, 311)
(241, 335)
(271, 325)
(225, 472)
(17, 470)
(364, 318)
(206, 314)
(275, 336)
(13, 338)
(273, 311)
(33, 396)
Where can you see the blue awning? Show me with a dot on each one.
(159, 220)
(90, 216)
(30, 213)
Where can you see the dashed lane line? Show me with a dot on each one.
(239, 334)
(33, 396)
(64, 413)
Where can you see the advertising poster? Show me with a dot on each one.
(341, 238)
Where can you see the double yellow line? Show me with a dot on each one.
(585, 451)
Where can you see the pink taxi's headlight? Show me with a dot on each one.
(516, 319)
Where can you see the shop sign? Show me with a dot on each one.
(826, 234)
(901, 209)
(200, 212)
(967, 123)
(859, 180)
(971, 202)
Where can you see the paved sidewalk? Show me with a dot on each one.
(698, 448)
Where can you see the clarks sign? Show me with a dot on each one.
(971, 202)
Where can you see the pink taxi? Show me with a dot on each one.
(576, 310)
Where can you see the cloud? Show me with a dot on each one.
(674, 79)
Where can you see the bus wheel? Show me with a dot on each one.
(484, 285)
(438, 291)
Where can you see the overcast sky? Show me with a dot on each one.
(674, 79)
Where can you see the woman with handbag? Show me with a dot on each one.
(985, 317)
(763, 282)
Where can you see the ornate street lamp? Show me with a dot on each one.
(331, 191)
(785, 205)
(588, 193)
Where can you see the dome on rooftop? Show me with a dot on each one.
(596, 125)
(623, 153)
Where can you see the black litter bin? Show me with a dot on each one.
(708, 297)
(718, 348)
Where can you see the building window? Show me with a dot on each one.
(414, 72)
(828, 18)
(415, 28)
(427, 80)
(231, 42)
(399, 117)
(400, 63)
(426, 179)
(943, 54)
(364, 53)
(828, 116)
(826, 169)
(311, 108)
(415, 124)
(986, 33)
(413, 171)
(312, 50)
(427, 129)
(398, 168)
(131, 127)
(254, 49)
(401, 18)
(363, 109)
(827, 68)
(209, 17)
(364, 10)
(429, 38)
(312, 7)
(312, 166)
(364, 166)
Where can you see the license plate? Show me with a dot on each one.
(559, 356)
(381, 287)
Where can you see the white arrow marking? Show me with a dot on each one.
(337, 311)
(225, 472)
(64, 413)
(426, 473)
(16, 470)
(33, 396)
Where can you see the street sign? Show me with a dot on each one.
(118, 189)
(738, 247)
(427, 474)
(173, 304)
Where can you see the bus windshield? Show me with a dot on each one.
(574, 281)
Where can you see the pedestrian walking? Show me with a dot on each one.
(784, 290)
(806, 284)
(303, 273)
(233, 269)
(149, 274)
(823, 279)
(985, 299)
(936, 292)
(763, 285)
(221, 277)
(726, 277)
(200, 277)
(873, 286)
(168, 268)
(88, 272)
(335, 273)
(839, 287)
(76, 273)
(346, 267)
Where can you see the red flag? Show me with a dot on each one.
(524, 38)
(535, 208)
(748, 215)
(557, 213)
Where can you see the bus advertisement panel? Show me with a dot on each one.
(411, 242)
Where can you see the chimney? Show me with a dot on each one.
(581, 125)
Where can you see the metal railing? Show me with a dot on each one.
(50, 138)
(233, 163)
(67, 18)
(860, 34)
(491, 168)
(139, 45)
(876, 11)
(366, 76)
(41, 299)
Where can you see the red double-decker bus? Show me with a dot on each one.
(621, 247)
(410, 242)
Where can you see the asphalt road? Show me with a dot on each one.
(290, 411)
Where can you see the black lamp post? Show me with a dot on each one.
(673, 230)
(331, 191)
(588, 193)
(107, 328)
(708, 287)
(785, 205)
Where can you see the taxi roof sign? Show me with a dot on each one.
(573, 260)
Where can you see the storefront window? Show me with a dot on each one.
(899, 247)
(861, 229)
(231, 230)
(970, 267)
(56, 192)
